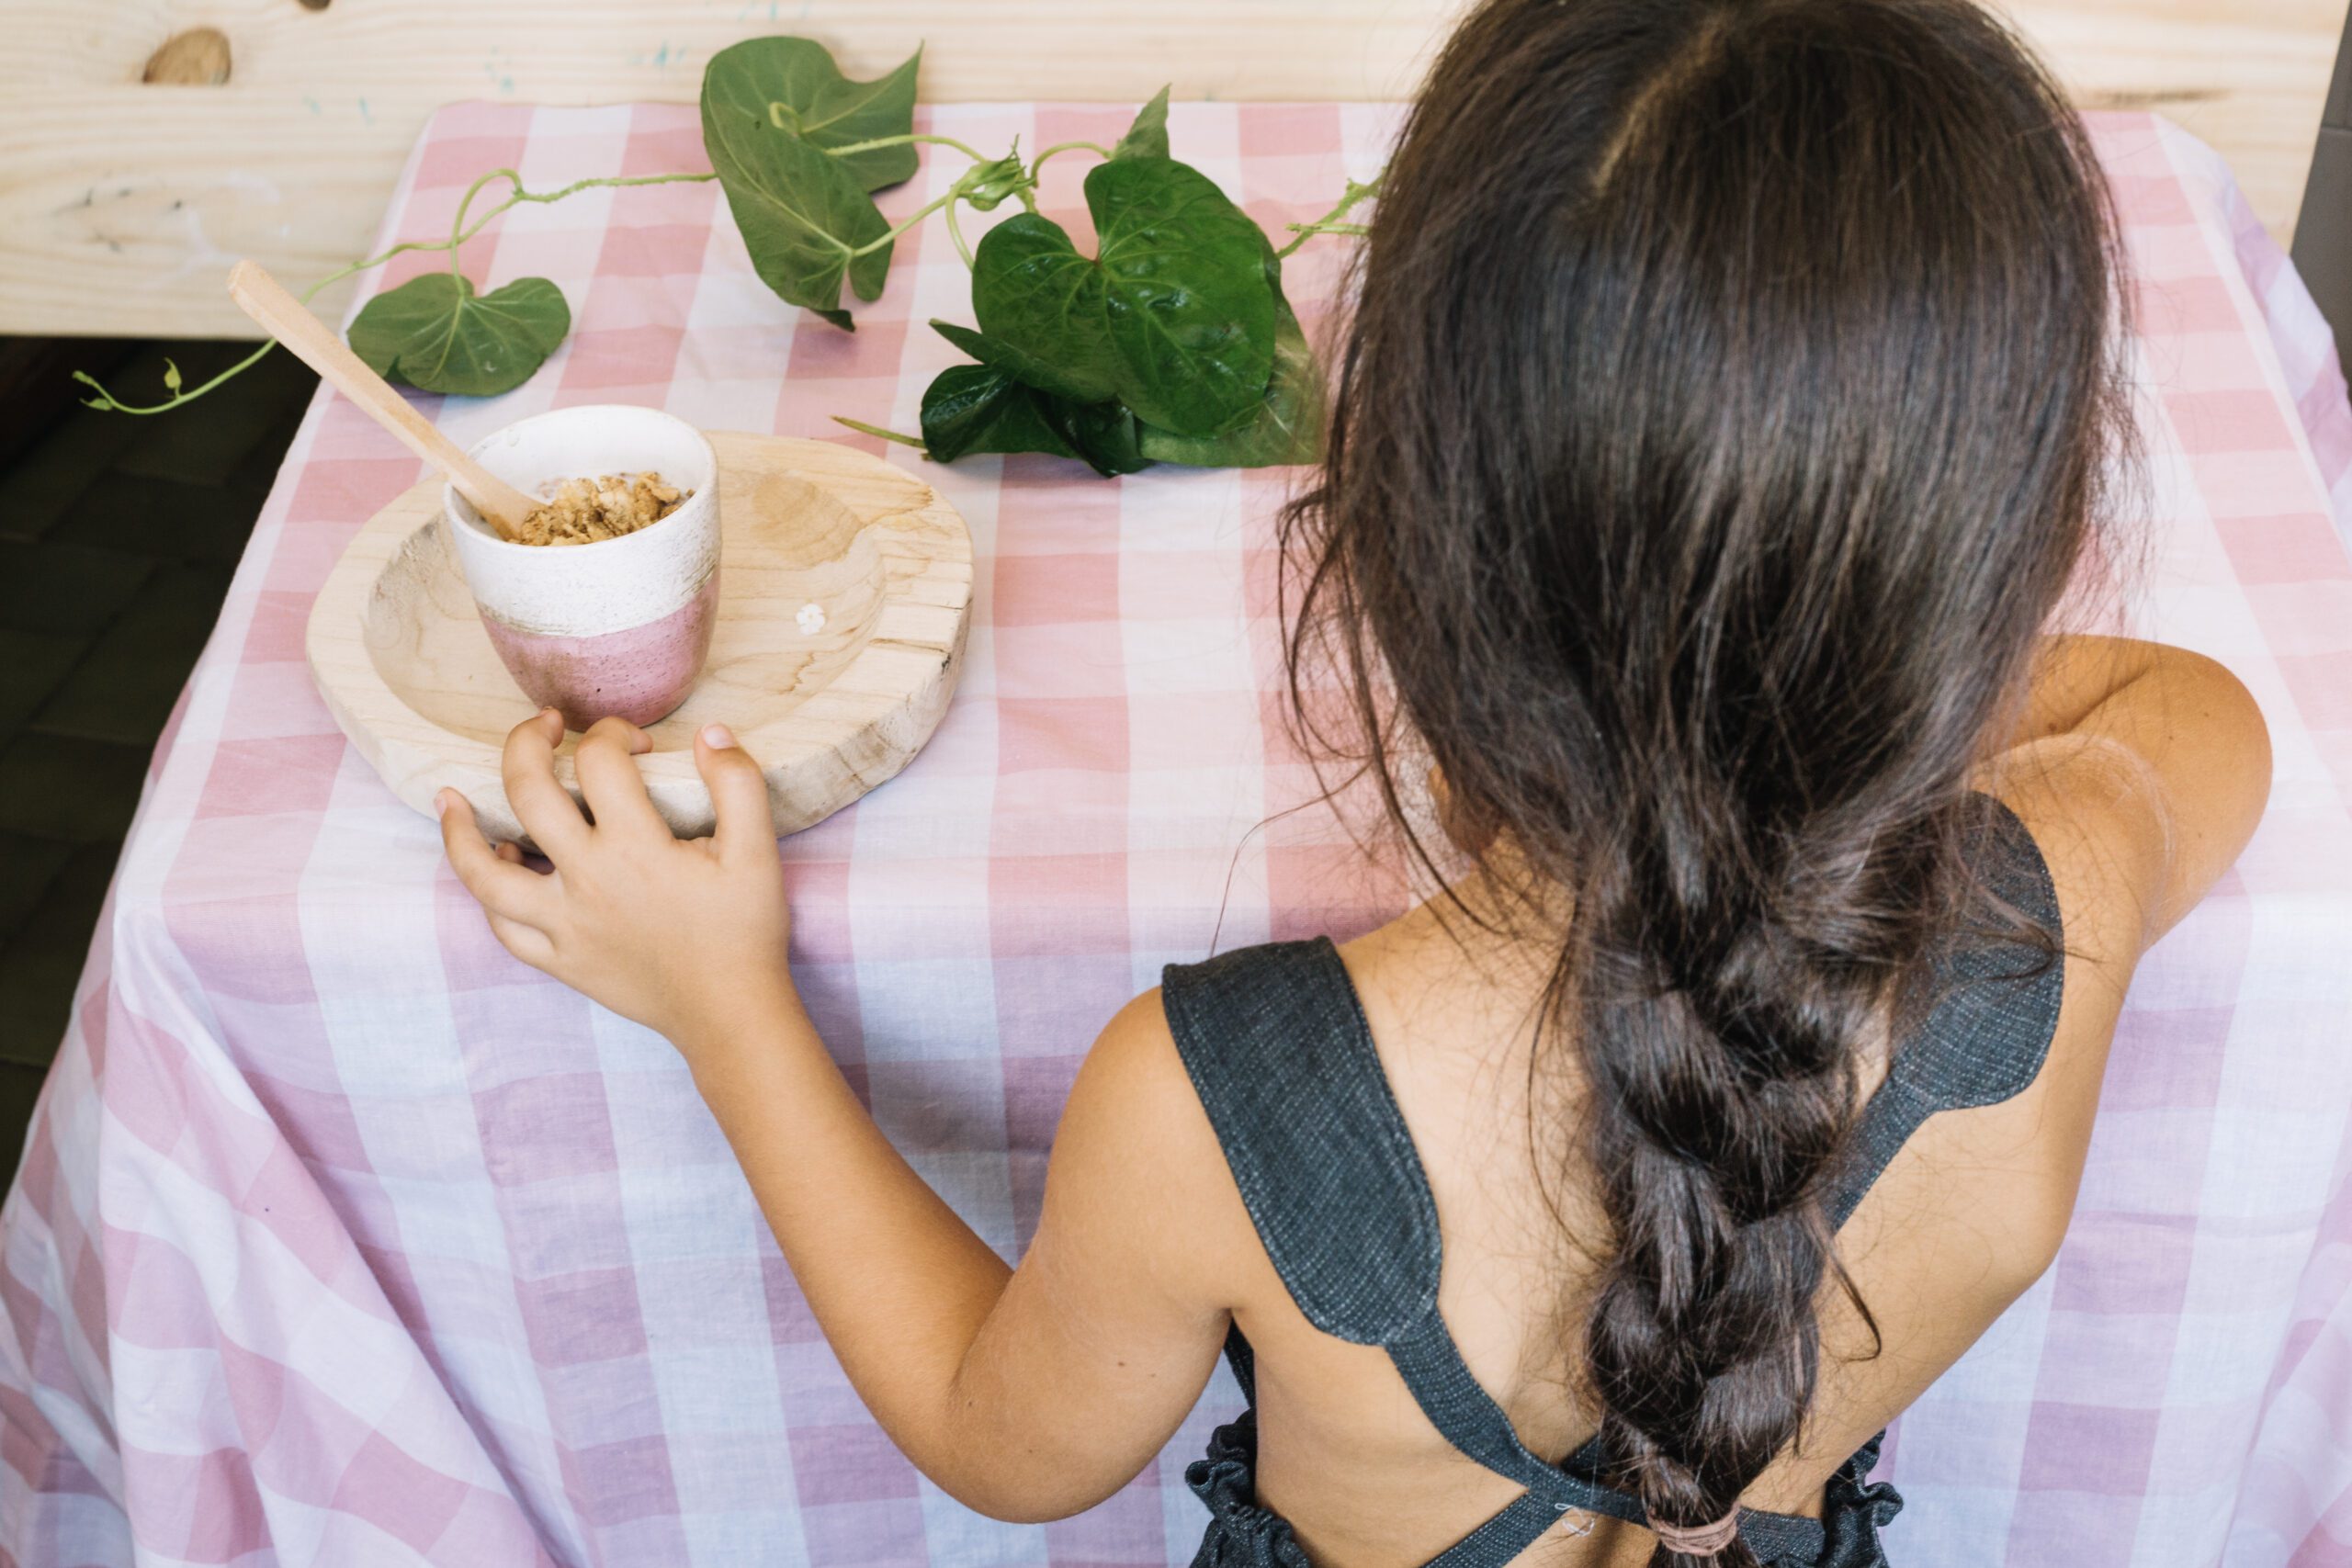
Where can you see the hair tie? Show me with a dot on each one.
(1698, 1540)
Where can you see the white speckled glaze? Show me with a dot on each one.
(583, 590)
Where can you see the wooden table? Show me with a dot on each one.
(342, 1237)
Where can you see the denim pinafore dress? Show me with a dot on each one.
(1275, 1041)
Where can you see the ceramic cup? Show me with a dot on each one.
(618, 626)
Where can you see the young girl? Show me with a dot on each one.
(1722, 415)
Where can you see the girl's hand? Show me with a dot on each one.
(688, 937)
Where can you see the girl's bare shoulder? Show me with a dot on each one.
(1155, 1164)
(2138, 808)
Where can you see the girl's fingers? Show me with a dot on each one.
(541, 803)
(502, 886)
(526, 943)
(609, 781)
(515, 854)
(739, 796)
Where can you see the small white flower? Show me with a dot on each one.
(811, 619)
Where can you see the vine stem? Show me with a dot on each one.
(1094, 147)
(881, 142)
(864, 429)
(871, 246)
(1329, 223)
(955, 234)
(459, 234)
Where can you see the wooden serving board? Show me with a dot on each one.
(399, 654)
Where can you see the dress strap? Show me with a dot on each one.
(1459, 1406)
(1996, 998)
(1509, 1532)
(1275, 1041)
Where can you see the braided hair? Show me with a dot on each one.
(1722, 412)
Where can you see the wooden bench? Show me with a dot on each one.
(144, 144)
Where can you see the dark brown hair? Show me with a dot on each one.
(1720, 417)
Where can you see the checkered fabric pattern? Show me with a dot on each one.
(342, 1238)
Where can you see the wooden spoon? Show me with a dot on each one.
(314, 342)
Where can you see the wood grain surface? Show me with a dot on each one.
(399, 652)
(122, 202)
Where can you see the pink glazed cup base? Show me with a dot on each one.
(641, 674)
(620, 627)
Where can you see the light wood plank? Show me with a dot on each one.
(122, 203)
(2249, 76)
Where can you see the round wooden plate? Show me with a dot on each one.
(399, 654)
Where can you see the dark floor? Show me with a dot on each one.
(118, 536)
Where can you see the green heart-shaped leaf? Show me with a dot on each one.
(1104, 434)
(1288, 426)
(803, 212)
(800, 92)
(1043, 303)
(1148, 137)
(1174, 318)
(435, 333)
(972, 408)
(1027, 370)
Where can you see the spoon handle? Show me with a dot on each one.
(316, 345)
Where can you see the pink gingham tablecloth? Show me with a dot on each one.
(343, 1239)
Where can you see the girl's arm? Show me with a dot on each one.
(2141, 770)
(2148, 765)
(1027, 1393)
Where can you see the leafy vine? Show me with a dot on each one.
(1172, 343)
